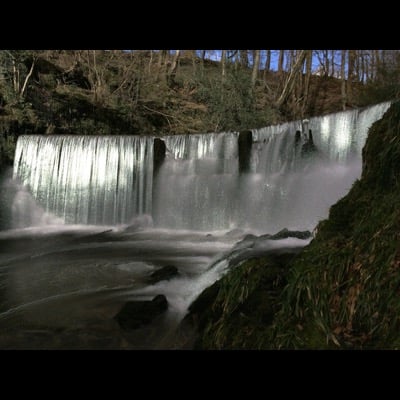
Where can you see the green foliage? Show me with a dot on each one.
(241, 314)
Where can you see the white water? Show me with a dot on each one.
(199, 185)
(109, 180)
(87, 179)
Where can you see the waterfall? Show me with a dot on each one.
(87, 179)
(196, 186)
(286, 190)
(199, 184)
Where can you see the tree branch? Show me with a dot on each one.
(27, 78)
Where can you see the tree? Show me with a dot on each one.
(308, 59)
(174, 65)
(280, 61)
(291, 79)
(343, 79)
(267, 66)
(18, 66)
(223, 63)
(350, 73)
(256, 66)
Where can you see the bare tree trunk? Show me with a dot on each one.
(194, 61)
(27, 78)
(267, 66)
(151, 60)
(202, 58)
(289, 84)
(326, 59)
(367, 66)
(377, 64)
(372, 65)
(350, 74)
(256, 66)
(363, 68)
(290, 59)
(357, 65)
(244, 58)
(333, 54)
(98, 82)
(223, 63)
(161, 58)
(343, 79)
(307, 79)
(280, 61)
(382, 64)
(15, 76)
(174, 67)
(174, 64)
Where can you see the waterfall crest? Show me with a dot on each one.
(108, 180)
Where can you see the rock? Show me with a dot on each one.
(134, 314)
(199, 313)
(159, 150)
(164, 274)
(140, 222)
(246, 243)
(205, 299)
(237, 311)
(234, 233)
(309, 146)
(285, 233)
(245, 141)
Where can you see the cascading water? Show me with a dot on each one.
(61, 285)
(288, 189)
(87, 179)
(109, 180)
(197, 183)
(200, 187)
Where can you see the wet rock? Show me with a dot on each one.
(245, 141)
(164, 274)
(234, 233)
(205, 299)
(134, 314)
(286, 233)
(159, 150)
(200, 311)
(238, 310)
(139, 223)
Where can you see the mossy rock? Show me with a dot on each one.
(236, 312)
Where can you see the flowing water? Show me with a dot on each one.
(87, 221)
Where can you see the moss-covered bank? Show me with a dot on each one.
(343, 290)
(236, 312)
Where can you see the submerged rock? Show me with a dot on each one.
(141, 222)
(164, 274)
(134, 314)
(237, 232)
